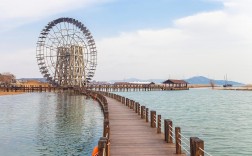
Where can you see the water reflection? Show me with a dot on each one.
(71, 127)
(49, 124)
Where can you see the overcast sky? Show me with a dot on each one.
(144, 39)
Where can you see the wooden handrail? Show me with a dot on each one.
(196, 144)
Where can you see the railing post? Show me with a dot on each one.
(101, 146)
(192, 146)
(123, 100)
(147, 114)
(196, 146)
(142, 112)
(178, 140)
(165, 129)
(131, 104)
(153, 119)
(108, 148)
(105, 127)
(138, 107)
(106, 113)
(159, 124)
(169, 131)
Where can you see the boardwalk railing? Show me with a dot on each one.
(104, 142)
(35, 88)
(133, 87)
(196, 145)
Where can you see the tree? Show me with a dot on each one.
(212, 83)
(7, 78)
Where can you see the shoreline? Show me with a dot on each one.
(2, 93)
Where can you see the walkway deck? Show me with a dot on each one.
(131, 135)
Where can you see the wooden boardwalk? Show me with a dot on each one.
(131, 135)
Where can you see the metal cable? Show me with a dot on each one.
(204, 151)
(172, 132)
(172, 137)
(184, 149)
(184, 143)
(183, 136)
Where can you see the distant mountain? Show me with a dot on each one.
(37, 79)
(198, 80)
(192, 80)
(138, 80)
(205, 80)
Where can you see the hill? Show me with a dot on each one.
(193, 80)
(205, 80)
(138, 80)
(35, 79)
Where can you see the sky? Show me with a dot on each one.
(144, 39)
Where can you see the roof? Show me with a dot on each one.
(169, 81)
(121, 83)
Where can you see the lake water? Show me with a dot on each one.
(49, 124)
(60, 124)
(223, 119)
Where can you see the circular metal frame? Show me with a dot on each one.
(65, 32)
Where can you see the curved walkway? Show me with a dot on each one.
(131, 135)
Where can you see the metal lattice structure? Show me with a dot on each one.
(66, 53)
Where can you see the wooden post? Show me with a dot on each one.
(123, 100)
(199, 147)
(126, 102)
(142, 112)
(159, 124)
(192, 144)
(147, 114)
(106, 114)
(101, 146)
(138, 107)
(153, 119)
(178, 140)
(169, 131)
(133, 105)
(108, 148)
(105, 127)
(165, 129)
(196, 146)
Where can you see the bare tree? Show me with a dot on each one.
(212, 83)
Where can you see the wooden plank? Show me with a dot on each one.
(131, 135)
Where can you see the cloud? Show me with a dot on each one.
(208, 43)
(18, 12)
(23, 66)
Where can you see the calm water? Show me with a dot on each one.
(49, 124)
(223, 119)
